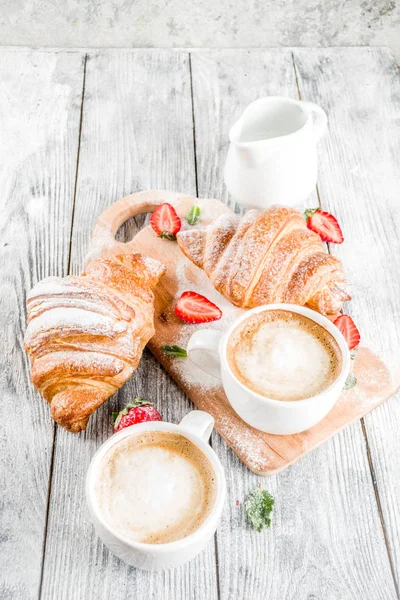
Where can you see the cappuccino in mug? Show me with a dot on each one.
(155, 487)
(283, 355)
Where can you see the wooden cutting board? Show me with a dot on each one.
(263, 453)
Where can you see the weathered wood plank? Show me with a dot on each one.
(40, 98)
(137, 133)
(326, 539)
(359, 181)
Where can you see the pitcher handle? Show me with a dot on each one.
(203, 351)
(321, 120)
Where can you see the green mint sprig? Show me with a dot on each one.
(350, 382)
(174, 351)
(259, 506)
(193, 215)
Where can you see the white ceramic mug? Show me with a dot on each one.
(272, 158)
(207, 348)
(197, 427)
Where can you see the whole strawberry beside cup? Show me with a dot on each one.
(137, 411)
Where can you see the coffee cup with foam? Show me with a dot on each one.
(156, 490)
(282, 366)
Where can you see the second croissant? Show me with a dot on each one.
(265, 258)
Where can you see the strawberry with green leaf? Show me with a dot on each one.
(165, 221)
(137, 411)
(324, 224)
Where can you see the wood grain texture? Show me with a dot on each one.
(136, 133)
(326, 540)
(359, 181)
(40, 99)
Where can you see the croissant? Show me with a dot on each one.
(86, 333)
(266, 258)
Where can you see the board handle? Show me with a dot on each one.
(103, 238)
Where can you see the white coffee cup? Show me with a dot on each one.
(207, 348)
(272, 157)
(197, 427)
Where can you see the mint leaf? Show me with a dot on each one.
(174, 351)
(193, 215)
(310, 211)
(350, 382)
(166, 235)
(259, 506)
(114, 416)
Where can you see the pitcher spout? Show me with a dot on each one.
(248, 151)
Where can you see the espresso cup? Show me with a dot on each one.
(207, 348)
(196, 427)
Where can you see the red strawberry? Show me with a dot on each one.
(350, 332)
(137, 411)
(165, 221)
(325, 225)
(195, 308)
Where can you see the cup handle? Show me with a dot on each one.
(321, 120)
(198, 422)
(203, 351)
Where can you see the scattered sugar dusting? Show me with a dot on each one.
(193, 279)
(246, 442)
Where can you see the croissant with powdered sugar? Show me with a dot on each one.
(86, 333)
(267, 258)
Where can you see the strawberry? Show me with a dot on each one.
(137, 411)
(324, 224)
(350, 332)
(195, 308)
(165, 221)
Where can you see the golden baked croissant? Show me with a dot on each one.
(86, 333)
(266, 258)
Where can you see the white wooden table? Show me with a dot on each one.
(79, 130)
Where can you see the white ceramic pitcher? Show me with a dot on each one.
(272, 157)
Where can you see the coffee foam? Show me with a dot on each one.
(155, 488)
(283, 355)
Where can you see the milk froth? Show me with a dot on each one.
(284, 355)
(155, 488)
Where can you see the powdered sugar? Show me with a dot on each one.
(76, 319)
(266, 257)
(194, 279)
(53, 286)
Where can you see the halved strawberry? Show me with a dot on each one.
(195, 308)
(349, 330)
(165, 221)
(324, 224)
